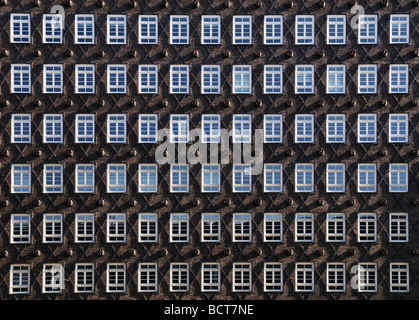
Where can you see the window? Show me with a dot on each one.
(147, 227)
(116, 177)
(52, 278)
(179, 79)
(85, 178)
(20, 28)
(367, 78)
(148, 29)
(53, 178)
(179, 178)
(367, 277)
(20, 228)
(242, 227)
(336, 280)
(179, 277)
(179, 29)
(210, 277)
(272, 177)
(367, 227)
(242, 277)
(21, 178)
(147, 178)
(304, 227)
(53, 128)
(398, 127)
(52, 25)
(242, 29)
(367, 29)
(211, 230)
(147, 277)
(399, 28)
(117, 78)
(211, 126)
(242, 179)
(210, 79)
(399, 78)
(399, 277)
(335, 128)
(84, 29)
(85, 78)
(85, 128)
(53, 78)
(84, 279)
(367, 181)
(117, 128)
(85, 228)
(335, 177)
(179, 227)
(179, 128)
(116, 28)
(21, 128)
(336, 29)
(148, 126)
(148, 79)
(335, 227)
(272, 79)
(304, 128)
(304, 29)
(242, 128)
(210, 30)
(336, 82)
(398, 227)
(21, 78)
(242, 79)
(304, 79)
(115, 277)
(273, 30)
(398, 177)
(367, 128)
(272, 273)
(304, 277)
(211, 178)
(116, 227)
(272, 227)
(304, 177)
(272, 125)
(53, 228)
(20, 278)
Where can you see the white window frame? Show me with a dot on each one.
(366, 272)
(367, 128)
(305, 39)
(398, 227)
(272, 79)
(176, 172)
(82, 171)
(397, 123)
(146, 122)
(273, 277)
(271, 172)
(20, 78)
(211, 128)
(210, 277)
(335, 277)
(272, 227)
(304, 168)
(272, 128)
(19, 126)
(334, 124)
(21, 274)
(179, 277)
(242, 227)
(210, 177)
(53, 73)
(84, 124)
(181, 22)
(148, 79)
(85, 228)
(20, 228)
(240, 24)
(367, 169)
(114, 72)
(304, 277)
(335, 222)
(18, 185)
(20, 21)
(304, 79)
(368, 73)
(120, 169)
(52, 23)
(398, 78)
(210, 29)
(304, 128)
(84, 278)
(54, 169)
(336, 24)
(364, 31)
(241, 134)
(211, 227)
(242, 171)
(179, 227)
(148, 227)
(52, 278)
(210, 79)
(116, 277)
(398, 177)
(336, 73)
(367, 227)
(82, 24)
(399, 277)
(397, 25)
(179, 122)
(147, 277)
(242, 79)
(52, 225)
(148, 24)
(85, 79)
(56, 121)
(304, 227)
(113, 123)
(115, 19)
(145, 183)
(242, 277)
(179, 79)
(273, 30)
(332, 170)
(116, 228)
